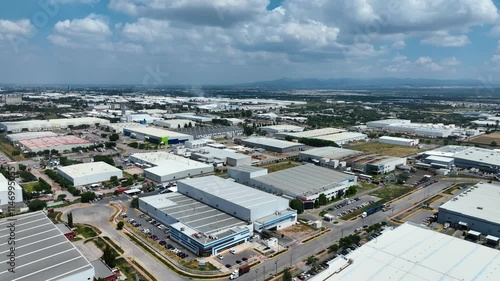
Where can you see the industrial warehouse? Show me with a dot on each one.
(327, 156)
(200, 228)
(265, 210)
(162, 167)
(398, 141)
(305, 182)
(487, 160)
(41, 251)
(88, 173)
(222, 156)
(51, 124)
(475, 209)
(402, 126)
(157, 136)
(374, 163)
(15, 193)
(412, 252)
(174, 123)
(59, 143)
(339, 136)
(29, 135)
(273, 145)
(281, 129)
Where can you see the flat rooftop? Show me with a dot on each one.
(439, 158)
(220, 153)
(485, 196)
(447, 151)
(272, 142)
(414, 253)
(30, 135)
(341, 136)
(42, 251)
(158, 157)
(155, 132)
(476, 154)
(316, 133)
(305, 179)
(396, 139)
(234, 192)
(171, 166)
(57, 122)
(330, 152)
(46, 142)
(87, 169)
(195, 215)
(285, 128)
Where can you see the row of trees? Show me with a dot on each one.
(64, 183)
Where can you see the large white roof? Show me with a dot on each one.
(272, 142)
(87, 169)
(414, 253)
(171, 166)
(480, 201)
(316, 133)
(155, 132)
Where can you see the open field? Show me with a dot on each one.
(487, 139)
(297, 231)
(391, 192)
(386, 149)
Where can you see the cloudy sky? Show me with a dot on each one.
(201, 42)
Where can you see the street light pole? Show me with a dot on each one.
(264, 273)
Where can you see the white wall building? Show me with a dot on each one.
(9, 190)
(88, 173)
(225, 156)
(174, 123)
(398, 141)
(51, 124)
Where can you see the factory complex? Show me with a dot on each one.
(430, 130)
(51, 124)
(484, 159)
(305, 182)
(208, 215)
(59, 143)
(156, 135)
(274, 145)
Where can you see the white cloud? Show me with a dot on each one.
(452, 61)
(443, 39)
(148, 30)
(398, 45)
(91, 2)
(16, 28)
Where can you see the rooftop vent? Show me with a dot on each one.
(479, 208)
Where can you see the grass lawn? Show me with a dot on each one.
(364, 187)
(86, 231)
(386, 149)
(392, 191)
(279, 167)
(487, 139)
(6, 147)
(128, 270)
(29, 186)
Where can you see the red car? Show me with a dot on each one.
(154, 237)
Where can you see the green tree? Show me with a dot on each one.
(190, 125)
(104, 158)
(87, 196)
(61, 197)
(316, 203)
(247, 130)
(134, 203)
(322, 199)
(109, 257)
(333, 248)
(311, 260)
(296, 204)
(114, 137)
(22, 167)
(340, 193)
(119, 226)
(70, 220)
(114, 180)
(15, 152)
(402, 178)
(287, 275)
(36, 205)
(493, 143)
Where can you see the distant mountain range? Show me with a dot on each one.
(352, 83)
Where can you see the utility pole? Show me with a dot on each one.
(276, 263)
(264, 273)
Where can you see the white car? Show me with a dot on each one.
(232, 251)
(220, 257)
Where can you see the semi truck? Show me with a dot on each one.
(238, 272)
(371, 211)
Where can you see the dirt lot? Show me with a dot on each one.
(134, 170)
(386, 149)
(297, 231)
(487, 138)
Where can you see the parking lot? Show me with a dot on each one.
(350, 205)
(231, 260)
(154, 230)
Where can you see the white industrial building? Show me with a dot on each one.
(163, 167)
(198, 143)
(310, 133)
(281, 129)
(476, 209)
(51, 124)
(59, 143)
(224, 156)
(29, 135)
(118, 127)
(156, 135)
(41, 251)
(274, 145)
(264, 210)
(430, 130)
(7, 186)
(398, 141)
(343, 138)
(305, 182)
(440, 162)
(88, 173)
(174, 123)
(195, 117)
(413, 252)
(468, 157)
(201, 228)
(374, 163)
(327, 156)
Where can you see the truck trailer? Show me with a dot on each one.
(371, 211)
(237, 273)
